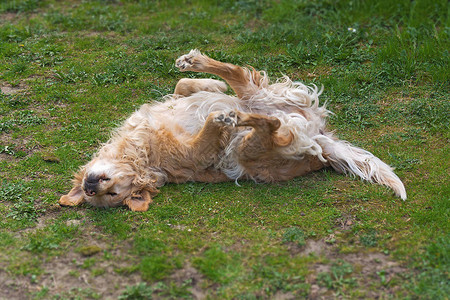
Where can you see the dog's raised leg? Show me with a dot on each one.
(188, 86)
(264, 138)
(243, 81)
(212, 138)
(258, 151)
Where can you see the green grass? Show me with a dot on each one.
(73, 70)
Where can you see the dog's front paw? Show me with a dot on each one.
(189, 62)
(228, 118)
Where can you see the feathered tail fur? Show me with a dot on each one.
(348, 159)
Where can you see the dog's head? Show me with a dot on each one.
(109, 183)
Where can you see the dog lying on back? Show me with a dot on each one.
(267, 133)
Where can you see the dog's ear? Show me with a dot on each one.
(73, 198)
(139, 201)
(144, 189)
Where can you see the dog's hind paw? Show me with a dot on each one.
(190, 61)
(228, 118)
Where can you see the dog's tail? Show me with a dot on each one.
(348, 159)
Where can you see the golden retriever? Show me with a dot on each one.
(267, 133)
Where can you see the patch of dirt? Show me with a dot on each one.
(345, 222)
(370, 263)
(25, 144)
(366, 264)
(308, 74)
(284, 296)
(50, 214)
(189, 273)
(312, 247)
(317, 292)
(13, 288)
(7, 157)
(95, 34)
(367, 268)
(68, 271)
(8, 89)
(319, 72)
(7, 17)
(238, 246)
(72, 271)
(318, 248)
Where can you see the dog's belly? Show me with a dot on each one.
(185, 117)
(274, 169)
(209, 174)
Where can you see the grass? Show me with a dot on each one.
(71, 71)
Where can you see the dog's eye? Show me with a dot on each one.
(112, 194)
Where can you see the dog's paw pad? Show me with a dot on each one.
(186, 62)
(228, 118)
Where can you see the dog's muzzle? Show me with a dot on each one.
(91, 186)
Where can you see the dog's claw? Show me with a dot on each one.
(183, 62)
(227, 118)
(186, 62)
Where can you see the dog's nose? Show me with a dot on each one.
(90, 190)
(90, 187)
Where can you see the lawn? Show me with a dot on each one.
(71, 71)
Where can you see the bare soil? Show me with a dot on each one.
(67, 272)
(8, 89)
